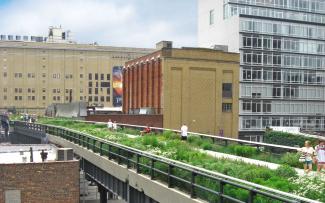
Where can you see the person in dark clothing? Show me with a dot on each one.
(5, 123)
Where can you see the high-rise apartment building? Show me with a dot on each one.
(282, 49)
(36, 74)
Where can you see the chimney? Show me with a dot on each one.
(164, 44)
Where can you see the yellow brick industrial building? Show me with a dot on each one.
(34, 75)
(198, 87)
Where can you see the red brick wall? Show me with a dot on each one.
(152, 120)
(142, 83)
(55, 182)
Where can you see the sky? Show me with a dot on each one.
(131, 23)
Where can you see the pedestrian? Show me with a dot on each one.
(184, 130)
(307, 156)
(115, 126)
(110, 125)
(146, 130)
(5, 123)
(320, 155)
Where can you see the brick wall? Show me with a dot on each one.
(152, 120)
(55, 182)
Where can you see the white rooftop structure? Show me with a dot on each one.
(10, 154)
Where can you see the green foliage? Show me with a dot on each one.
(286, 171)
(169, 145)
(282, 138)
(291, 159)
(242, 150)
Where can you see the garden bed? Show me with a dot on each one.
(170, 146)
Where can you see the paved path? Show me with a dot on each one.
(269, 165)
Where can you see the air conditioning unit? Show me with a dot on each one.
(65, 154)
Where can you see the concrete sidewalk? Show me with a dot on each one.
(269, 165)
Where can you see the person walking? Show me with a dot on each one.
(110, 125)
(320, 156)
(5, 123)
(184, 130)
(115, 126)
(308, 153)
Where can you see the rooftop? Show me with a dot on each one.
(21, 153)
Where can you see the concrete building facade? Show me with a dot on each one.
(34, 75)
(198, 87)
(282, 59)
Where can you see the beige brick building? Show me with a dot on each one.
(195, 86)
(34, 75)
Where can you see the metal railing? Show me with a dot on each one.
(197, 182)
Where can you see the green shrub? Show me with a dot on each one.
(170, 135)
(283, 138)
(286, 171)
(291, 159)
(242, 150)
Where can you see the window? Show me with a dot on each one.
(90, 76)
(226, 107)
(211, 17)
(267, 107)
(5, 74)
(90, 98)
(107, 98)
(96, 76)
(227, 90)
(96, 90)
(44, 97)
(81, 75)
(102, 98)
(247, 106)
(89, 91)
(102, 77)
(256, 106)
(108, 76)
(276, 91)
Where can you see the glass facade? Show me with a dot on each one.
(282, 46)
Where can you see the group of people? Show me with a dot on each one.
(310, 155)
(5, 123)
(28, 118)
(183, 132)
(112, 126)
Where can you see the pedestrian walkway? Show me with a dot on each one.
(269, 165)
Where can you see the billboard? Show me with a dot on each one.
(117, 86)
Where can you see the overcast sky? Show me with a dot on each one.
(136, 23)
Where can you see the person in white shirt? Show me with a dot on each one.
(308, 152)
(115, 126)
(184, 130)
(110, 124)
(320, 155)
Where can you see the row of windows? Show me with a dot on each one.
(282, 107)
(283, 44)
(260, 123)
(299, 5)
(235, 10)
(90, 99)
(96, 76)
(282, 28)
(285, 60)
(54, 76)
(97, 98)
(96, 90)
(283, 76)
(282, 92)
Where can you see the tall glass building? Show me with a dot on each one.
(282, 49)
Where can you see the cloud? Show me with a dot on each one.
(108, 22)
